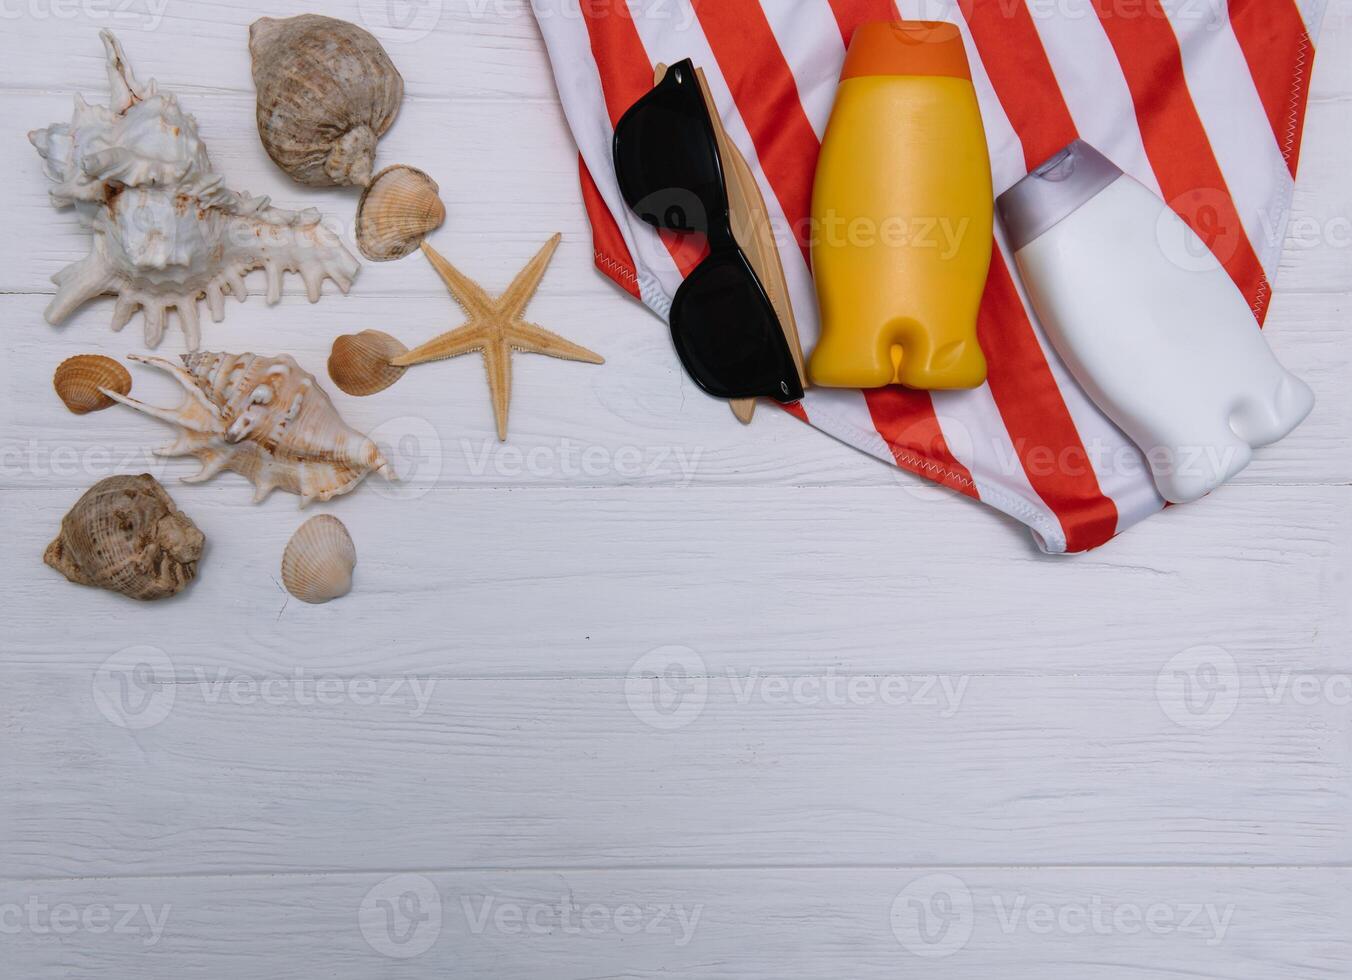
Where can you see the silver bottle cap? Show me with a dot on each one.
(1054, 191)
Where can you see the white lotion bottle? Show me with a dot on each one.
(1148, 321)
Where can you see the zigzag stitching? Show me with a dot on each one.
(617, 268)
(1297, 85)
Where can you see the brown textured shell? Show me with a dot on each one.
(327, 91)
(78, 381)
(126, 535)
(398, 209)
(359, 363)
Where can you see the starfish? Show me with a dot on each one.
(496, 327)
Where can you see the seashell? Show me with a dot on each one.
(359, 363)
(167, 233)
(327, 91)
(396, 212)
(79, 381)
(318, 561)
(265, 418)
(126, 535)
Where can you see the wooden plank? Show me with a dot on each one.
(638, 419)
(791, 579)
(302, 771)
(461, 50)
(533, 770)
(1012, 923)
(1319, 233)
(509, 179)
(450, 49)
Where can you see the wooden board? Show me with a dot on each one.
(1012, 923)
(520, 591)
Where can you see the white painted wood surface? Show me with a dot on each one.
(1137, 763)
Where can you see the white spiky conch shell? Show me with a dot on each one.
(167, 232)
(318, 562)
(265, 418)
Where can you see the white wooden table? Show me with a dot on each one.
(880, 698)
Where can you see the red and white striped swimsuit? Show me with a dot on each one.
(1201, 100)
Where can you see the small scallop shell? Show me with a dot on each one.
(318, 561)
(396, 212)
(360, 362)
(78, 380)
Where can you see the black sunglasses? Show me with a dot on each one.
(723, 324)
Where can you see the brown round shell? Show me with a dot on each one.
(359, 363)
(78, 379)
(397, 211)
(327, 91)
(318, 562)
(126, 535)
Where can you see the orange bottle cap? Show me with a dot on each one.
(906, 47)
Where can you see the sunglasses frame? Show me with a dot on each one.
(681, 80)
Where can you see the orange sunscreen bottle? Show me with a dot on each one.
(902, 215)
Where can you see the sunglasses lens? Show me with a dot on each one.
(727, 334)
(666, 157)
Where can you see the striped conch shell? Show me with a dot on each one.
(265, 418)
(167, 233)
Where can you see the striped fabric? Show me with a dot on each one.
(1200, 100)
